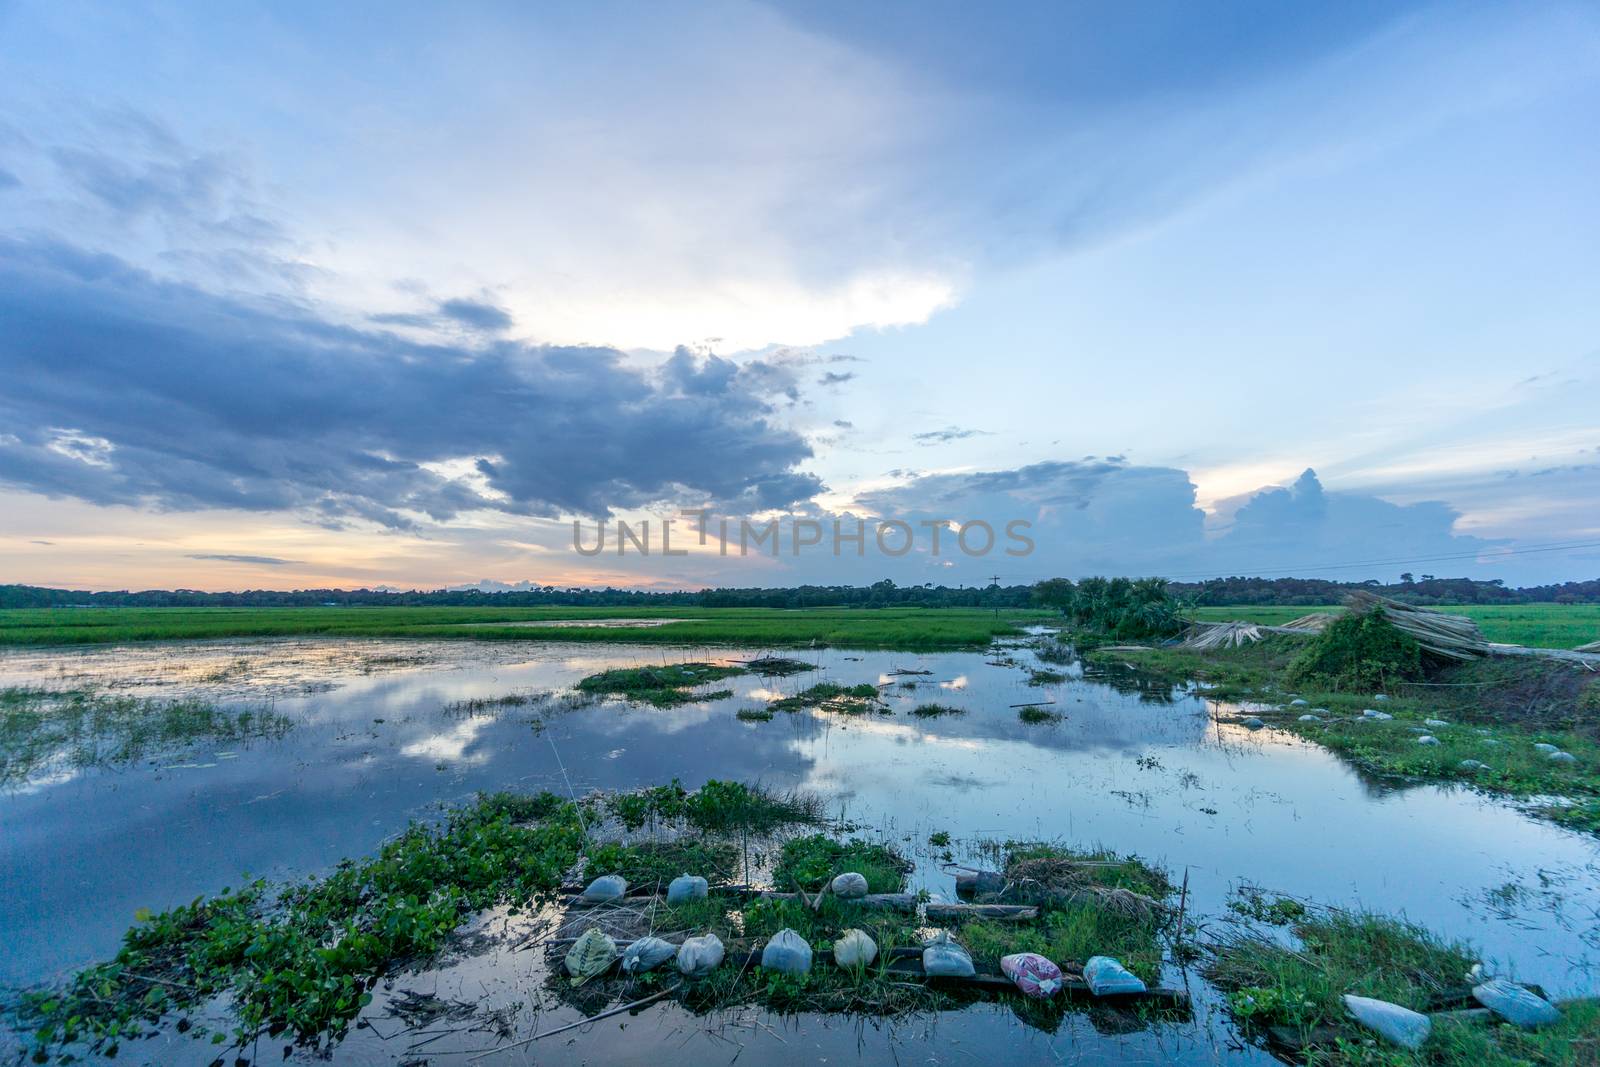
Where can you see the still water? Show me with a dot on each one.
(375, 744)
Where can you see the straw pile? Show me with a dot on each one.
(1450, 636)
(1592, 646)
(1314, 623)
(1205, 636)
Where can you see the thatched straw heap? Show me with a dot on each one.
(1205, 636)
(1450, 636)
(1314, 623)
(1592, 646)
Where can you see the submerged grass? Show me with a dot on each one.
(42, 730)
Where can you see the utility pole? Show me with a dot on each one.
(994, 583)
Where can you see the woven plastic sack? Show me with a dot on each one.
(606, 888)
(1106, 975)
(853, 948)
(1032, 973)
(700, 955)
(687, 887)
(850, 886)
(646, 954)
(787, 952)
(943, 957)
(1397, 1025)
(590, 955)
(1515, 1004)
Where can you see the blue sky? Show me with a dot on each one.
(389, 294)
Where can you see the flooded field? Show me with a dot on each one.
(368, 736)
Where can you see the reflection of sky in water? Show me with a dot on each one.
(79, 855)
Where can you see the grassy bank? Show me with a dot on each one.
(1534, 625)
(1492, 712)
(907, 628)
(1287, 993)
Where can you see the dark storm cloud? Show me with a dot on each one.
(476, 315)
(223, 557)
(121, 389)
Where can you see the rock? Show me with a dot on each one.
(1381, 716)
(1253, 723)
(1380, 696)
(1310, 718)
(1545, 747)
(1400, 1026)
(1515, 1004)
(1299, 703)
(850, 886)
(1427, 739)
(1492, 741)
(1561, 757)
(1472, 765)
(1435, 722)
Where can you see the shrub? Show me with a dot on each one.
(1358, 652)
(1123, 608)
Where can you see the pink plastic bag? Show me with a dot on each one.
(1032, 973)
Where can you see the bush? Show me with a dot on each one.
(1123, 608)
(1358, 652)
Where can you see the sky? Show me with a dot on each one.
(299, 295)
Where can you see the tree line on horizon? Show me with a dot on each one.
(886, 593)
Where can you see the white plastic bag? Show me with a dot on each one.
(787, 952)
(700, 955)
(1400, 1026)
(943, 957)
(854, 948)
(606, 888)
(1515, 1004)
(850, 886)
(1106, 975)
(687, 887)
(646, 954)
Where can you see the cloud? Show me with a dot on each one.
(9, 180)
(836, 378)
(223, 557)
(476, 315)
(124, 389)
(950, 433)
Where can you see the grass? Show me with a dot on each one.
(934, 711)
(850, 699)
(1496, 710)
(899, 628)
(806, 863)
(1037, 716)
(1298, 987)
(659, 862)
(716, 807)
(664, 686)
(43, 729)
(1534, 625)
(302, 960)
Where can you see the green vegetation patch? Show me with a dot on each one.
(807, 863)
(303, 962)
(42, 729)
(1037, 716)
(1359, 653)
(1119, 608)
(716, 807)
(830, 696)
(659, 862)
(1297, 988)
(661, 687)
(934, 711)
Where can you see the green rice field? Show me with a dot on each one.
(1534, 625)
(908, 628)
